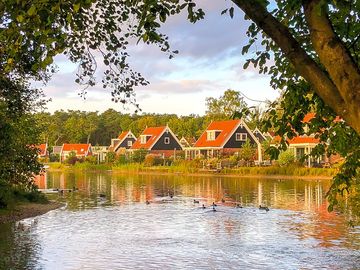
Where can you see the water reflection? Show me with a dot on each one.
(107, 225)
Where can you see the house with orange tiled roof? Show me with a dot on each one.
(223, 137)
(125, 140)
(81, 150)
(159, 141)
(303, 145)
(43, 152)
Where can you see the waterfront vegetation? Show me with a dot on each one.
(197, 167)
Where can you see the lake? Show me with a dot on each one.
(106, 224)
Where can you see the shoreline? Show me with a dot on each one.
(27, 210)
(199, 174)
(227, 175)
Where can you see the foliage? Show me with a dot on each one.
(91, 159)
(247, 151)
(286, 158)
(110, 157)
(18, 135)
(152, 160)
(71, 159)
(69, 127)
(225, 106)
(54, 157)
(139, 155)
(314, 86)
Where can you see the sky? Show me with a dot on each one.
(209, 62)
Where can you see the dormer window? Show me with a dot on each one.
(143, 139)
(129, 143)
(167, 140)
(211, 135)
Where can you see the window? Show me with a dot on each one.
(211, 135)
(129, 143)
(167, 140)
(143, 139)
(241, 136)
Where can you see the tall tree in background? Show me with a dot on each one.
(225, 106)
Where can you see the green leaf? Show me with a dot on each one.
(246, 64)
(76, 7)
(31, 11)
(20, 18)
(231, 12)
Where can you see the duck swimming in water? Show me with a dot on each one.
(264, 208)
(238, 205)
(213, 204)
(101, 195)
(196, 201)
(147, 202)
(203, 206)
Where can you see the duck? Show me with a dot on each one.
(213, 204)
(222, 200)
(75, 188)
(264, 208)
(203, 206)
(196, 201)
(147, 202)
(101, 195)
(238, 205)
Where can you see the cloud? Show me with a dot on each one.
(209, 62)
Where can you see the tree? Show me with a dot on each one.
(19, 134)
(225, 106)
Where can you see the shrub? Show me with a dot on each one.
(54, 157)
(234, 159)
(247, 152)
(91, 159)
(139, 155)
(286, 158)
(110, 157)
(121, 159)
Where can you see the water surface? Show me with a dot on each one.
(106, 224)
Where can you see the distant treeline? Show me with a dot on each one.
(98, 128)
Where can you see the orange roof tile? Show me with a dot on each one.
(123, 135)
(154, 134)
(225, 127)
(79, 148)
(298, 140)
(305, 140)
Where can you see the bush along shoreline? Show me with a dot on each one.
(197, 167)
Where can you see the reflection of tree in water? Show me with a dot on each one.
(18, 247)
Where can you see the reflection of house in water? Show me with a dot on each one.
(41, 181)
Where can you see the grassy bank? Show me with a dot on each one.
(79, 166)
(188, 168)
(241, 171)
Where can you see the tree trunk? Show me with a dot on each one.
(321, 83)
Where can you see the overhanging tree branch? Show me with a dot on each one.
(303, 63)
(333, 54)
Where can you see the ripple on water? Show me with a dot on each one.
(175, 233)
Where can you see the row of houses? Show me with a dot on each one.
(221, 138)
